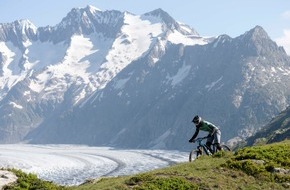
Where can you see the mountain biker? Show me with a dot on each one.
(214, 133)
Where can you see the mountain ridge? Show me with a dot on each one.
(119, 79)
(126, 136)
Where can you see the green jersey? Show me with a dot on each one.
(205, 126)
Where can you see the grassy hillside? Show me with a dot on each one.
(257, 167)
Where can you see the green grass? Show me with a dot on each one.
(249, 168)
(260, 161)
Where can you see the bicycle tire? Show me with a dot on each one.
(194, 155)
(225, 148)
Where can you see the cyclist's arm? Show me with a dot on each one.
(195, 134)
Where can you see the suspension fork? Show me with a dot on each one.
(199, 149)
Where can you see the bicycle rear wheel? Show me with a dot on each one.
(194, 155)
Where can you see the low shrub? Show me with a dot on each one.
(30, 181)
(260, 161)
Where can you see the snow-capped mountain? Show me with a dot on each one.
(50, 69)
(233, 82)
(110, 77)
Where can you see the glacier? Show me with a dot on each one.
(74, 164)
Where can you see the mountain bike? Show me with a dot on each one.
(202, 149)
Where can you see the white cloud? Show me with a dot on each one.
(285, 40)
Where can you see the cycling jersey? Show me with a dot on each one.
(205, 126)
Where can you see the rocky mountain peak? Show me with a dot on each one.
(17, 32)
(256, 35)
(24, 25)
(162, 15)
(259, 42)
(258, 32)
(92, 9)
(90, 19)
(170, 23)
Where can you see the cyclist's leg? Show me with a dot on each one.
(209, 142)
(217, 140)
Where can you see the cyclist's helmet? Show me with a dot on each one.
(196, 120)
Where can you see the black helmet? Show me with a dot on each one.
(196, 120)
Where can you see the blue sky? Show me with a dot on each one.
(207, 17)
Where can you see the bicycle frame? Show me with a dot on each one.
(203, 147)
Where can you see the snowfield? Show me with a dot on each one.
(74, 164)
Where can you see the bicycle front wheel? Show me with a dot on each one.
(194, 155)
(225, 148)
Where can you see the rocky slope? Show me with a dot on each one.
(278, 129)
